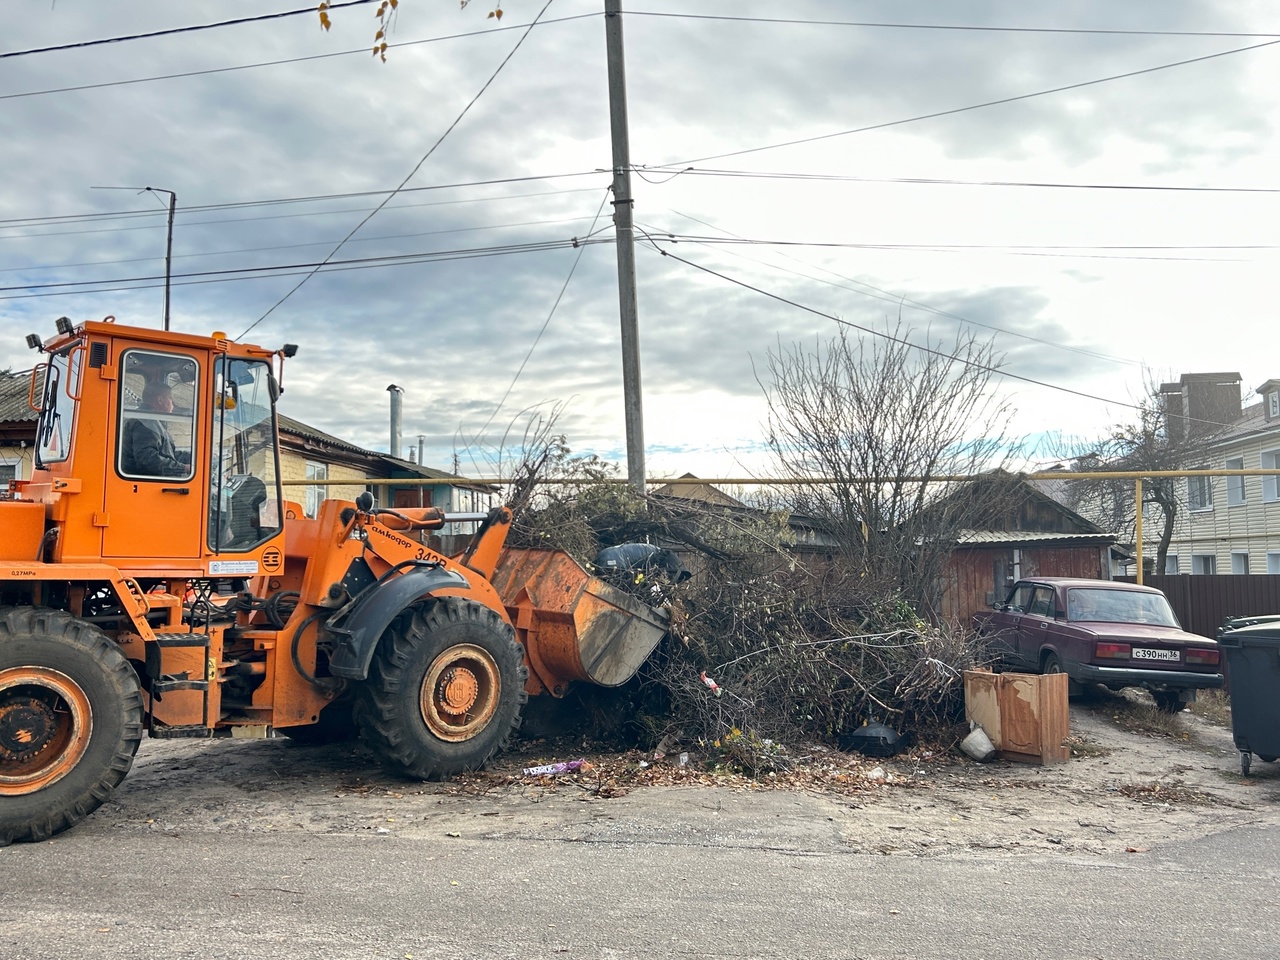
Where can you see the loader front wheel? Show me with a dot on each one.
(70, 721)
(445, 690)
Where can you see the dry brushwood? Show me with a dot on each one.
(798, 647)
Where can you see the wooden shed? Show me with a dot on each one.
(1023, 533)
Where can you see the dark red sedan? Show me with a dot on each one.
(1102, 631)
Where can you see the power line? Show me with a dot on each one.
(978, 106)
(285, 270)
(543, 329)
(363, 51)
(295, 216)
(1018, 249)
(238, 204)
(888, 296)
(413, 172)
(980, 246)
(996, 371)
(292, 246)
(175, 30)
(838, 178)
(953, 26)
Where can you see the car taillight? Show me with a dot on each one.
(1112, 651)
(1205, 658)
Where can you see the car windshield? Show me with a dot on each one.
(1119, 606)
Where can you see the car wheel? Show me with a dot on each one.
(1052, 664)
(1167, 701)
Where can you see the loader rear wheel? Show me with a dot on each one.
(445, 690)
(70, 721)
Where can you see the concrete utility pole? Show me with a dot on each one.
(622, 201)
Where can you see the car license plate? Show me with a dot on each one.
(1150, 653)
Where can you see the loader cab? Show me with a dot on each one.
(164, 447)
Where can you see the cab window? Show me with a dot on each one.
(58, 404)
(244, 505)
(157, 423)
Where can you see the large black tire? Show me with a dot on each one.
(70, 721)
(445, 689)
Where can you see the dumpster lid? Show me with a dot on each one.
(1259, 629)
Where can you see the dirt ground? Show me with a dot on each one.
(1124, 791)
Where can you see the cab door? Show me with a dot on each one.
(153, 498)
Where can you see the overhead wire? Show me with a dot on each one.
(292, 246)
(418, 166)
(18, 222)
(924, 348)
(888, 296)
(640, 171)
(978, 106)
(543, 329)
(1012, 249)
(1087, 31)
(176, 30)
(284, 270)
(362, 51)
(295, 216)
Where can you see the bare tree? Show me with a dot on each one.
(1144, 444)
(878, 421)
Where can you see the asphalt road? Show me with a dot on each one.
(753, 876)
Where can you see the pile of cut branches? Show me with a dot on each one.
(768, 644)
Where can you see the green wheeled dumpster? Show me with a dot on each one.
(1253, 671)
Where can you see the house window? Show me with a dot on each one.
(8, 471)
(1171, 563)
(1199, 493)
(1239, 562)
(1204, 563)
(1270, 489)
(315, 471)
(1273, 405)
(1273, 561)
(1235, 485)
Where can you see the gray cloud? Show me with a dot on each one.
(454, 333)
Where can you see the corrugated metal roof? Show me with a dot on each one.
(302, 430)
(297, 428)
(13, 399)
(1253, 420)
(976, 538)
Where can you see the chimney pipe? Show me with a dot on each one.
(422, 438)
(396, 417)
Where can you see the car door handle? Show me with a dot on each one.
(182, 490)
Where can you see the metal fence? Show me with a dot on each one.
(1202, 603)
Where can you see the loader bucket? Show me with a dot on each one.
(574, 626)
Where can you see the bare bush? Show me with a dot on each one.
(862, 430)
(798, 652)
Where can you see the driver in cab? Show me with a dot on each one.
(149, 449)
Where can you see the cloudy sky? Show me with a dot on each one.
(1122, 225)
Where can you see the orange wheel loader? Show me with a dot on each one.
(154, 581)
